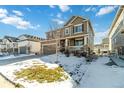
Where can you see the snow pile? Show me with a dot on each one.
(8, 71)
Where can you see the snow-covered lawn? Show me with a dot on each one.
(93, 75)
(12, 56)
(99, 75)
(73, 65)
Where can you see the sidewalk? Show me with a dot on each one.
(5, 83)
(118, 61)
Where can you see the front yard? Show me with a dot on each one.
(73, 72)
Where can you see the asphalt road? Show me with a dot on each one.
(13, 60)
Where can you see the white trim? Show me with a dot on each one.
(78, 24)
(77, 32)
(68, 30)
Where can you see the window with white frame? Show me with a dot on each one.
(66, 31)
(78, 28)
(79, 42)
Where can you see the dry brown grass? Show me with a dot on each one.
(42, 74)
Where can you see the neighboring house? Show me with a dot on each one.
(10, 45)
(28, 44)
(116, 33)
(76, 35)
(0, 45)
(103, 48)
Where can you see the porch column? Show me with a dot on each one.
(66, 42)
(85, 40)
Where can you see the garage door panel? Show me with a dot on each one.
(49, 49)
(22, 50)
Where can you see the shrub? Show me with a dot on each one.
(67, 54)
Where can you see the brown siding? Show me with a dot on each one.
(77, 21)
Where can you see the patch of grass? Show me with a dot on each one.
(17, 85)
(42, 74)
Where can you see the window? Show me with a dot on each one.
(79, 42)
(78, 28)
(66, 31)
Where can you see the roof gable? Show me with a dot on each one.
(72, 19)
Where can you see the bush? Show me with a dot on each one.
(62, 50)
(67, 54)
(41, 74)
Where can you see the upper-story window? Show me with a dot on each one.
(78, 28)
(66, 31)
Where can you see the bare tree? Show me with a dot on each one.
(56, 27)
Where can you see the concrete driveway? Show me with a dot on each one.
(13, 60)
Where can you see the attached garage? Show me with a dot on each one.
(22, 50)
(49, 49)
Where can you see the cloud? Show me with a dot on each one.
(28, 9)
(100, 35)
(59, 15)
(88, 9)
(64, 8)
(52, 6)
(58, 21)
(105, 10)
(15, 20)
(91, 8)
(3, 13)
(18, 13)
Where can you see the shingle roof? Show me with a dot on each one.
(31, 37)
(11, 39)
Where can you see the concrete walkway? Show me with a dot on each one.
(4, 83)
(118, 61)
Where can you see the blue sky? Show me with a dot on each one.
(36, 20)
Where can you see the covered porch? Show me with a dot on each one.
(74, 43)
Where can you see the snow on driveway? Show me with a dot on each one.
(12, 56)
(99, 75)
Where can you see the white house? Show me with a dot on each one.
(116, 33)
(29, 44)
(103, 48)
(9, 44)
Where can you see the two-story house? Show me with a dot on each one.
(76, 35)
(9, 45)
(116, 33)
